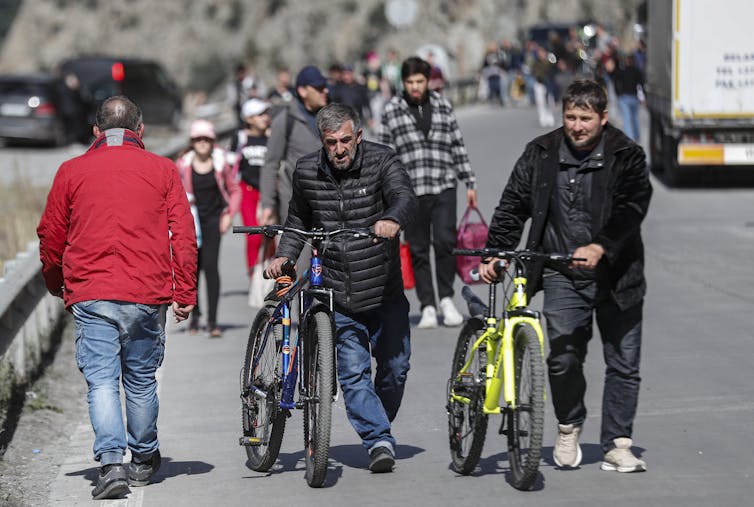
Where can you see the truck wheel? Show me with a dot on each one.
(671, 169)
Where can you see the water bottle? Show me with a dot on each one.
(315, 271)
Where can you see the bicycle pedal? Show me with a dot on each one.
(250, 441)
(466, 380)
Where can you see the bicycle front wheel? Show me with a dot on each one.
(319, 386)
(467, 422)
(261, 386)
(526, 421)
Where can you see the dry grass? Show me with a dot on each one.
(21, 205)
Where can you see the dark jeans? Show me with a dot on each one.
(436, 220)
(385, 334)
(209, 257)
(568, 309)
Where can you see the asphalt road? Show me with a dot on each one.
(696, 405)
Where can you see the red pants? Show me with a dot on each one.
(249, 202)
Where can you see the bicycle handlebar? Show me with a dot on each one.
(273, 230)
(523, 255)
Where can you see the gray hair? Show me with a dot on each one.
(331, 117)
(118, 112)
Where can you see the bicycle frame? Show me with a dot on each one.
(498, 340)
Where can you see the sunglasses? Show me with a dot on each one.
(320, 89)
(205, 139)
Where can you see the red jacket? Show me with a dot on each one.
(117, 226)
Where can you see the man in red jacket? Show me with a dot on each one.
(117, 243)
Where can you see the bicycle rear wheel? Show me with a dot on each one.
(262, 419)
(467, 422)
(526, 421)
(319, 385)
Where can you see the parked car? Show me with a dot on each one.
(143, 81)
(30, 109)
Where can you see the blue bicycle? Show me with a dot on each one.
(275, 362)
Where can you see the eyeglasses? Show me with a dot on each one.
(200, 139)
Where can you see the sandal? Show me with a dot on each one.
(215, 333)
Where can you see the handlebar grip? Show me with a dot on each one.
(246, 229)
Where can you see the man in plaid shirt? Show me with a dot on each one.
(421, 127)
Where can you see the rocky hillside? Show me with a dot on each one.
(199, 41)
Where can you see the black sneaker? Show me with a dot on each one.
(381, 460)
(111, 483)
(140, 473)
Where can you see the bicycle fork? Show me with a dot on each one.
(290, 363)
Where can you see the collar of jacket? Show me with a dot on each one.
(117, 137)
(324, 165)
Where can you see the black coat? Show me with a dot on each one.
(621, 192)
(363, 274)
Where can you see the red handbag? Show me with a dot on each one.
(407, 269)
(470, 235)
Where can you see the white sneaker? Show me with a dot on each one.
(621, 459)
(429, 318)
(567, 451)
(450, 315)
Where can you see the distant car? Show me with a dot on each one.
(30, 109)
(143, 81)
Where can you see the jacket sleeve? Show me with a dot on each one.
(384, 134)
(300, 217)
(52, 232)
(398, 192)
(514, 207)
(275, 152)
(630, 202)
(182, 242)
(461, 161)
(230, 180)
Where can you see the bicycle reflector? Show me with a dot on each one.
(117, 71)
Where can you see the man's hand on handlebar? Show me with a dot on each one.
(278, 267)
(591, 253)
(386, 229)
(487, 269)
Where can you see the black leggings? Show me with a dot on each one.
(209, 257)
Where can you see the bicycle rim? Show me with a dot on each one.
(526, 421)
(467, 422)
(319, 380)
(261, 417)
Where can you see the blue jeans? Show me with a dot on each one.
(568, 308)
(629, 111)
(372, 406)
(117, 341)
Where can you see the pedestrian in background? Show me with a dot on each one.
(629, 88)
(250, 147)
(353, 183)
(586, 189)
(293, 133)
(117, 243)
(421, 126)
(212, 186)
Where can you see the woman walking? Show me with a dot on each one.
(211, 185)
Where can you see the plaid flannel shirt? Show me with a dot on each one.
(434, 162)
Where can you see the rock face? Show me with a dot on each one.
(200, 41)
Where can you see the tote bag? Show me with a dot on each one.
(407, 269)
(260, 286)
(470, 235)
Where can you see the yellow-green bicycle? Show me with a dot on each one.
(498, 368)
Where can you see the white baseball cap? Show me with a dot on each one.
(254, 107)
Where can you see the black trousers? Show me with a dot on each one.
(209, 257)
(435, 224)
(569, 310)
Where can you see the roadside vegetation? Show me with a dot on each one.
(21, 205)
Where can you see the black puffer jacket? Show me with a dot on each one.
(362, 273)
(620, 196)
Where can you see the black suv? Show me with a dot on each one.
(143, 81)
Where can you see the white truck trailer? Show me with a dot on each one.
(700, 86)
